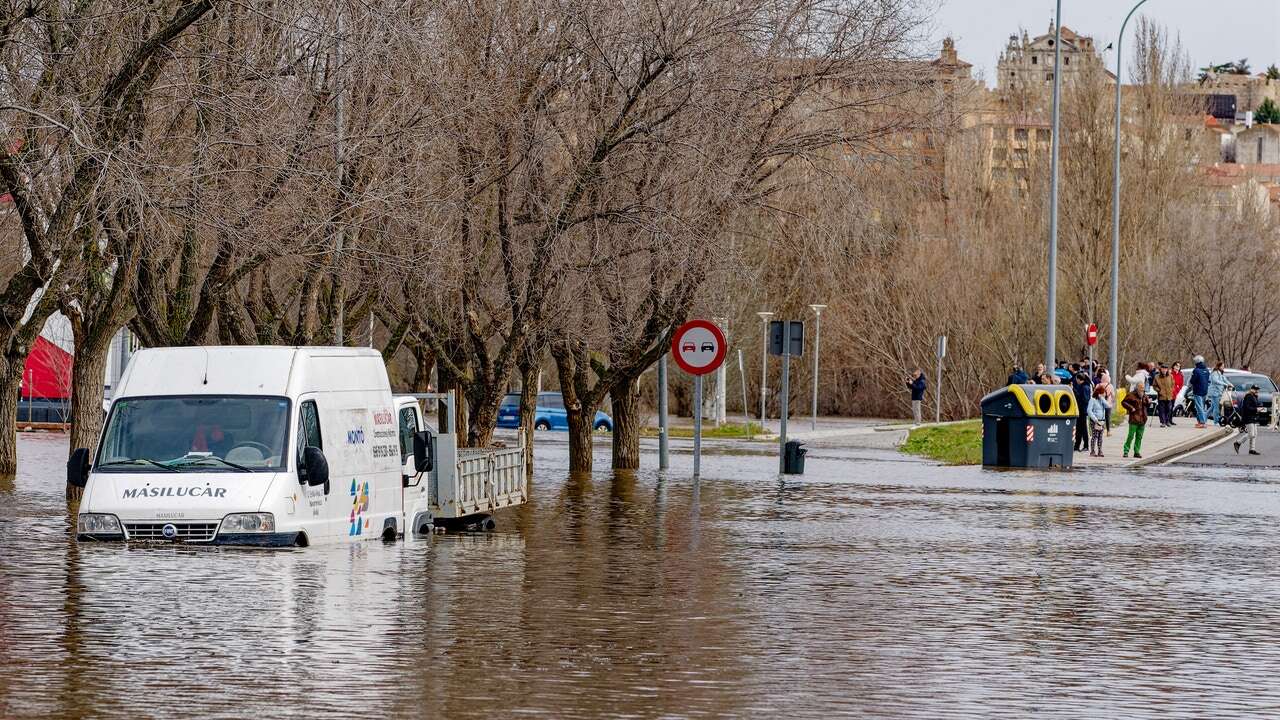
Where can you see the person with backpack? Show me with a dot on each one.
(1199, 388)
(1135, 404)
(1249, 421)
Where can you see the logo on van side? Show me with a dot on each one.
(143, 492)
(383, 417)
(355, 437)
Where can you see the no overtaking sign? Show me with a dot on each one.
(698, 347)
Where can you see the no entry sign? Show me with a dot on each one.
(1091, 334)
(698, 347)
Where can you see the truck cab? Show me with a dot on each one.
(270, 446)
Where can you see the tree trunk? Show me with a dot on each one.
(626, 425)
(88, 372)
(579, 437)
(10, 390)
(528, 412)
(484, 414)
(424, 361)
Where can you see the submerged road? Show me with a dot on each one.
(873, 586)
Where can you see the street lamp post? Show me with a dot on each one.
(1113, 334)
(1051, 328)
(817, 343)
(764, 358)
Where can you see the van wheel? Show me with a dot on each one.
(602, 425)
(542, 425)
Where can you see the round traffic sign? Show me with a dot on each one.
(1091, 334)
(698, 347)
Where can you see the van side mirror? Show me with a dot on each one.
(78, 468)
(316, 465)
(423, 461)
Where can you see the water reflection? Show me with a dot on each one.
(868, 587)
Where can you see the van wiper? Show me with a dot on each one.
(135, 461)
(192, 460)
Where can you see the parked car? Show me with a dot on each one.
(548, 415)
(1240, 382)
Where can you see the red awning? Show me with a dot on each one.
(47, 373)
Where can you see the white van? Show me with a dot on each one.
(277, 446)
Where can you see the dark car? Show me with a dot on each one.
(548, 415)
(1240, 383)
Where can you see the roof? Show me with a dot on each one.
(236, 370)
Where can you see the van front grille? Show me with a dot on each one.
(187, 531)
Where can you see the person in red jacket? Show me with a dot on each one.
(1178, 382)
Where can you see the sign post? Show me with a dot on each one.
(1091, 339)
(698, 347)
(786, 338)
(664, 459)
(937, 390)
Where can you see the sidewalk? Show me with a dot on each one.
(1158, 444)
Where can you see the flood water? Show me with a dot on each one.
(870, 587)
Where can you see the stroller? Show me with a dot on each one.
(1227, 412)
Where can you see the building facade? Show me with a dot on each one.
(1027, 64)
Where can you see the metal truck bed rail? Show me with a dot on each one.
(485, 479)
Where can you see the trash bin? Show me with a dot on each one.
(793, 458)
(1029, 426)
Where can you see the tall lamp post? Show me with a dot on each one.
(817, 344)
(1051, 329)
(1113, 335)
(764, 358)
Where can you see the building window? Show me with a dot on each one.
(1042, 135)
(1020, 134)
(1035, 60)
(1048, 77)
(1066, 60)
(1186, 134)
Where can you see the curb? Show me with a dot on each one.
(1183, 448)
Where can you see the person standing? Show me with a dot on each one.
(1164, 395)
(1178, 382)
(1097, 412)
(1218, 384)
(916, 384)
(1249, 421)
(1018, 377)
(1135, 404)
(1199, 388)
(1083, 391)
(1037, 375)
(1109, 395)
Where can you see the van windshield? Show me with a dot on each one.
(198, 433)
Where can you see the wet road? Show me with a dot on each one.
(871, 587)
(1223, 454)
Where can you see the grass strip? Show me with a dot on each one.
(957, 444)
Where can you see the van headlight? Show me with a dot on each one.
(248, 523)
(98, 524)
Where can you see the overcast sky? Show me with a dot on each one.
(1211, 30)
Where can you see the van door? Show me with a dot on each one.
(415, 480)
(315, 516)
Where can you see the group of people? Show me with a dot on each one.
(1210, 392)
